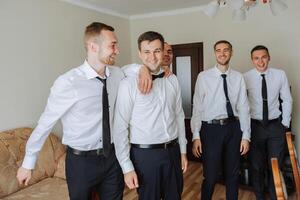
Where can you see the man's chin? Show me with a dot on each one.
(152, 68)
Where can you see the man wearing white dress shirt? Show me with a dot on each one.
(268, 124)
(149, 132)
(84, 98)
(220, 122)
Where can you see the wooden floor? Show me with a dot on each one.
(192, 184)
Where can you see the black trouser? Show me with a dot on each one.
(266, 142)
(159, 173)
(220, 146)
(87, 173)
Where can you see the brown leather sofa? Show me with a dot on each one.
(48, 178)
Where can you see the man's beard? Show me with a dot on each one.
(225, 63)
(108, 61)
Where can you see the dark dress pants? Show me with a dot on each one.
(159, 173)
(220, 151)
(266, 142)
(87, 173)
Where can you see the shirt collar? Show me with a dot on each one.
(90, 73)
(218, 72)
(260, 73)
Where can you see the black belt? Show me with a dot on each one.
(269, 121)
(222, 122)
(166, 145)
(95, 152)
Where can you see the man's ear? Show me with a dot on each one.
(139, 52)
(93, 47)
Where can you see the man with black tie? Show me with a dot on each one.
(268, 123)
(149, 132)
(84, 99)
(220, 122)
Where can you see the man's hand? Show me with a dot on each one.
(244, 146)
(131, 180)
(23, 176)
(197, 148)
(145, 80)
(184, 162)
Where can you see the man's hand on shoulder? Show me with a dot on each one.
(145, 80)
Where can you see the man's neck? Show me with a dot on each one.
(223, 68)
(97, 66)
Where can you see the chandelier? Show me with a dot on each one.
(240, 7)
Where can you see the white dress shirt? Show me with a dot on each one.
(277, 84)
(76, 99)
(210, 101)
(153, 118)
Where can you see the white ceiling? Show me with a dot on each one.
(135, 8)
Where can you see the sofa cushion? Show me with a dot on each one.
(12, 149)
(49, 188)
(60, 171)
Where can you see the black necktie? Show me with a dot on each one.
(228, 104)
(161, 75)
(265, 100)
(105, 120)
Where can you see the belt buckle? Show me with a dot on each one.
(165, 145)
(222, 122)
(98, 152)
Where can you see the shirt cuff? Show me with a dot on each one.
(285, 123)
(127, 167)
(246, 136)
(182, 148)
(29, 162)
(196, 135)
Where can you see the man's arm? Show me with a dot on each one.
(123, 112)
(244, 117)
(61, 98)
(287, 101)
(181, 127)
(196, 120)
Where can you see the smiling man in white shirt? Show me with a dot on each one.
(84, 99)
(268, 123)
(149, 131)
(220, 122)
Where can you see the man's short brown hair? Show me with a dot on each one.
(260, 47)
(222, 42)
(151, 36)
(94, 30)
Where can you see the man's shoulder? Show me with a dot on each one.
(206, 72)
(235, 72)
(129, 81)
(248, 73)
(276, 70)
(116, 71)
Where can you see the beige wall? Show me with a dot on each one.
(281, 34)
(39, 41)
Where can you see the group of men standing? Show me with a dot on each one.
(231, 111)
(129, 122)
